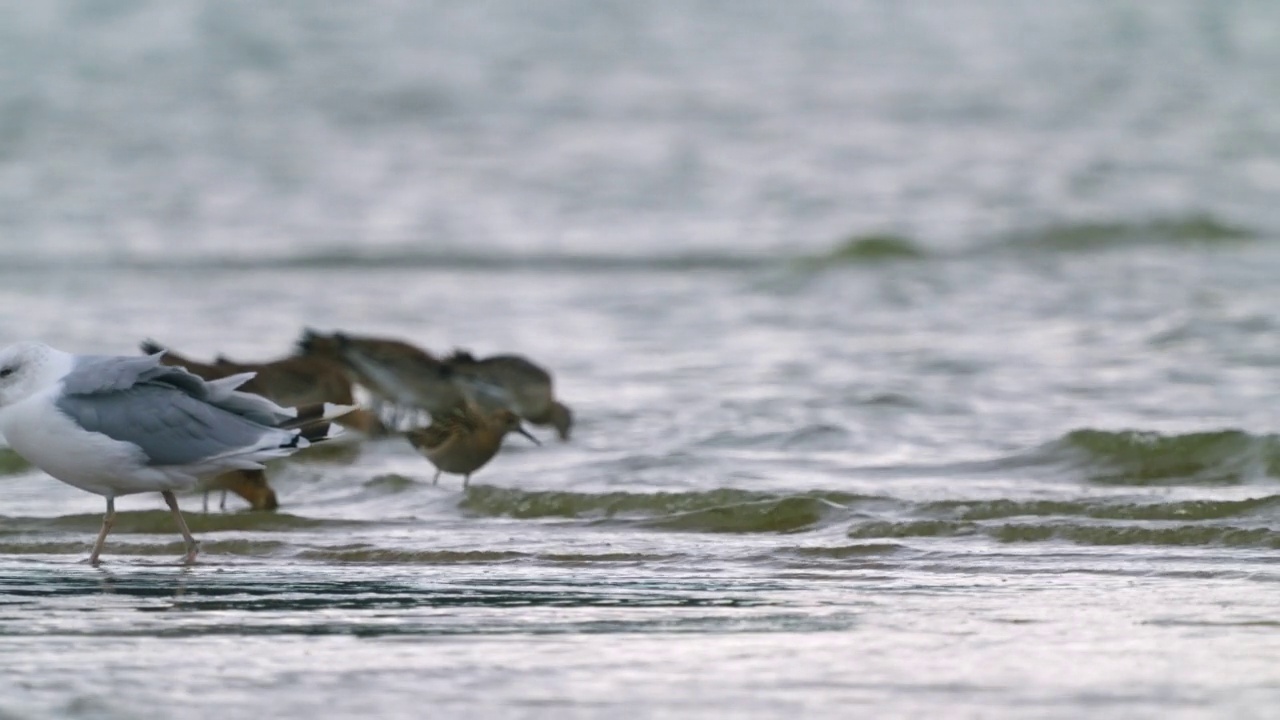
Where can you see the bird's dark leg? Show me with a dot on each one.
(107, 521)
(193, 547)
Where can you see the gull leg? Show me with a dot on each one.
(436, 480)
(222, 504)
(466, 480)
(193, 547)
(205, 507)
(107, 521)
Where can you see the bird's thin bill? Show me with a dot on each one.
(526, 433)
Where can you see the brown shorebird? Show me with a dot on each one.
(288, 382)
(464, 440)
(527, 387)
(251, 485)
(398, 372)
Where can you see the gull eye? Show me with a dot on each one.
(6, 372)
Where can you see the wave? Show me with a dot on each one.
(1183, 511)
(720, 510)
(1103, 521)
(787, 514)
(1189, 230)
(377, 555)
(814, 437)
(1135, 457)
(51, 547)
(410, 258)
(169, 548)
(1196, 229)
(1099, 521)
(390, 484)
(844, 552)
(881, 525)
(1082, 534)
(869, 248)
(160, 522)
(369, 554)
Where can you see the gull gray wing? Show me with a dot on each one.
(104, 373)
(98, 374)
(170, 426)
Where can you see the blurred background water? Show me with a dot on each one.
(924, 354)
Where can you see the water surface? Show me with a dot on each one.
(925, 361)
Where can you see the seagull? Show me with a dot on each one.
(291, 382)
(119, 425)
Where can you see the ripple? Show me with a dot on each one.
(1144, 458)
(722, 510)
(1182, 510)
(1083, 534)
(161, 522)
(1201, 229)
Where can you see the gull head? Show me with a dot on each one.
(27, 368)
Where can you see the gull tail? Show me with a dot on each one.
(314, 422)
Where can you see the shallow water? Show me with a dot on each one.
(924, 364)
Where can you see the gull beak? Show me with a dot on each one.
(526, 433)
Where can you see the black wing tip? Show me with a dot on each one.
(318, 431)
(310, 434)
(151, 347)
(316, 414)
